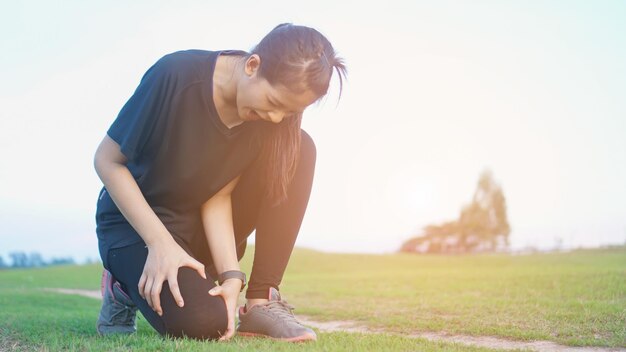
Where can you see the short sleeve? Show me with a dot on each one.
(145, 111)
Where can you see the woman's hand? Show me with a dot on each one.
(229, 290)
(164, 259)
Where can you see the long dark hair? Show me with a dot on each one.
(299, 58)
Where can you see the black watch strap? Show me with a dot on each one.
(232, 274)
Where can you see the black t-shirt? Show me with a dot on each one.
(178, 149)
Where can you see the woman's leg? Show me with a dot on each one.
(276, 227)
(203, 316)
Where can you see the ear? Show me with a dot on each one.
(252, 64)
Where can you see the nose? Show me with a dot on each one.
(276, 116)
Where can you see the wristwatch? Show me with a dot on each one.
(232, 274)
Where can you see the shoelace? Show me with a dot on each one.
(124, 315)
(126, 309)
(282, 309)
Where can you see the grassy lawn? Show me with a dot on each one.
(576, 298)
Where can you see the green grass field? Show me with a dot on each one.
(576, 298)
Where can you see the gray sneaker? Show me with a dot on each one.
(273, 319)
(118, 312)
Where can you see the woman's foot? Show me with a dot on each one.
(273, 319)
(118, 312)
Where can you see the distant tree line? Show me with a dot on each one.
(482, 225)
(32, 260)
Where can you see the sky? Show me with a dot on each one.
(437, 91)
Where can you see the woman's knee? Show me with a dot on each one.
(202, 324)
(203, 316)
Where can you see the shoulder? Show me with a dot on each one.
(186, 58)
(181, 66)
(188, 64)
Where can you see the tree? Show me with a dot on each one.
(482, 225)
(19, 259)
(62, 261)
(35, 260)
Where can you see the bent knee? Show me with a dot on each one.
(207, 322)
(202, 317)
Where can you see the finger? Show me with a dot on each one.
(231, 323)
(173, 282)
(142, 284)
(230, 330)
(146, 292)
(156, 295)
(215, 291)
(194, 264)
(227, 335)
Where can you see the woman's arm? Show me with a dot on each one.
(110, 165)
(217, 220)
(165, 256)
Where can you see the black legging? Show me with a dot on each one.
(204, 316)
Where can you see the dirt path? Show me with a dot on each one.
(70, 291)
(354, 327)
(480, 341)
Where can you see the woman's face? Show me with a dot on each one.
(258, 100)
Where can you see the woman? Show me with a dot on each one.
(206, 150)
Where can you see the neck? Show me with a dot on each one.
(225, 80)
